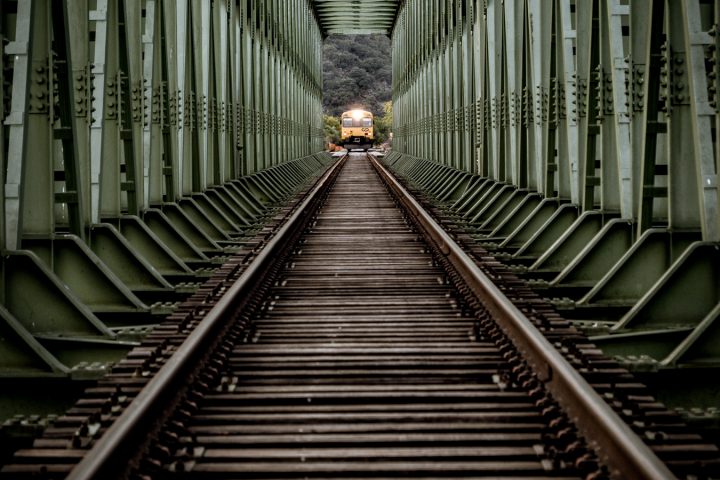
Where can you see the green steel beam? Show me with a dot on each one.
(147, 139)
(356, 17)
(575, 139)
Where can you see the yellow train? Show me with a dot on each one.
(357, 131)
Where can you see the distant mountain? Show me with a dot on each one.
(356, 73)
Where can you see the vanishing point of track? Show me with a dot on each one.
(366, 353)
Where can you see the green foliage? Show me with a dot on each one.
(383, 124)
(357, 73)
(332, 129)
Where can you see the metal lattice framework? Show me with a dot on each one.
(588, 101)
(356, 16)
(578, 139)
(141, 137)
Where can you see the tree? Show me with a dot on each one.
(356, 73)
(332, 129)
(383, 124)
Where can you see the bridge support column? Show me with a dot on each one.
(595, 166)
(130, 175)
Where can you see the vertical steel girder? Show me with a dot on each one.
(571, 99)
(155, 107)
(146, 137)
(591, 129)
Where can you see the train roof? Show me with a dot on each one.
(356, 112)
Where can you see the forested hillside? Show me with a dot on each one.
(357, 73)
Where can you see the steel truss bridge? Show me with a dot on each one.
(146, 142)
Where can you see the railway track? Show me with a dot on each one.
(356, 346)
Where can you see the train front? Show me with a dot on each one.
(357, 130)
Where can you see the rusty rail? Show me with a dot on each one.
(614, 441)
(127, 435)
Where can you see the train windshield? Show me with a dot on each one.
(348, 122)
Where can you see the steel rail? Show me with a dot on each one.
(617, 446)
(110, 455)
